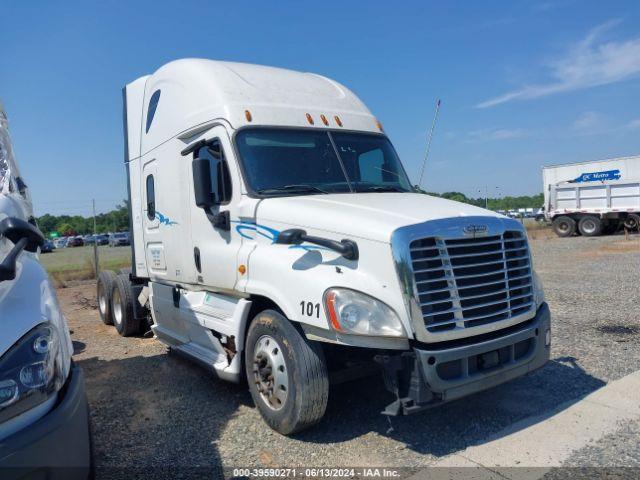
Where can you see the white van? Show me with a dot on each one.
(44, 417)
(276, 237)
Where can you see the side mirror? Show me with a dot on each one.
(202, 183)
(16, 229)
(24, 236)
(293, 236)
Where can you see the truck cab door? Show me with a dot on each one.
(215, 244)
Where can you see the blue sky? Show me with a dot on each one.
(523, 84)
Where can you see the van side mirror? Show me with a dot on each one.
(24, 236)
(202, 183)
(16, 229)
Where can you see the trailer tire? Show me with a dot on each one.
(590, 226)
(106, 278)
(564, 226)
(122, 307)
(295, 397)
(632, 222)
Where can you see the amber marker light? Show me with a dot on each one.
(324, 120)
(331, 306)
(309, 119)
(247, 115)
(338, 121)
(242, 269)
(379, 125)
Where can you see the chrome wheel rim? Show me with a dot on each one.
(563, 227)
(589, 226)
(270, 372)
(117, 307)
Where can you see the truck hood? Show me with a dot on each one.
(372, 216)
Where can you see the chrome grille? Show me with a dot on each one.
(468, 282)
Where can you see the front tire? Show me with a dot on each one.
(122, 307)
(287, 374)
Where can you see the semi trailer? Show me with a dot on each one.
(593, 198)
(276, 238)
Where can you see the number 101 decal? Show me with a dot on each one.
(310, 309)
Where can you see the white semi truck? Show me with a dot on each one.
(277, 238)
(592, 198)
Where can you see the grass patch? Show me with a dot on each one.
(539, 231)
(76, 263)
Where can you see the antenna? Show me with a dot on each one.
(426, 155)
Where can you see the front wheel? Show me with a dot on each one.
(287, 374)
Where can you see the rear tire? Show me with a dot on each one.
(632, 222)
(287, 374)
(590, 226)
(564, 226)
(106, 279)
(122, 307)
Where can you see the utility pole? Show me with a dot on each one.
(426, 155)
(95, 239)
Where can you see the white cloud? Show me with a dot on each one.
(587, 64)
(589, 122)
(485, 135)
(634, 124)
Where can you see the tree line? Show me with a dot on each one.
(117, 220)
(501, 203)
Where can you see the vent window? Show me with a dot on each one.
(151, 111)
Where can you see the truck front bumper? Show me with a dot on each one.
(427, 377)
(57, 446)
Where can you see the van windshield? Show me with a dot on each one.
(301, 162)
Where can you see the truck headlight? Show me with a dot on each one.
(31, 371)
(538, 291)
(356, 313)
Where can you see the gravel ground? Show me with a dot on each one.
(157, 412)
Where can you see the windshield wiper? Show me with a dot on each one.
(301, 188)
(380, 188)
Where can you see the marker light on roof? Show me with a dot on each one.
(379, 125)
(247, 115)
(338, 121)
(309, 119)
(324, 120)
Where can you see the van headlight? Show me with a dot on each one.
(31, 371)
(356, 313)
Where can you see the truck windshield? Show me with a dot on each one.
(302, 162)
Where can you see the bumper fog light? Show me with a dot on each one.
(547, 337)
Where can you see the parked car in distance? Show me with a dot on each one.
(89, 239)
(102, 239)
(47, 247)
(119, 239)
(60, 242)
(75, 241)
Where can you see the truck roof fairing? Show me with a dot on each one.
(196, 91)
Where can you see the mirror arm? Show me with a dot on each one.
(220, 220)
(8, 265)
(347, 248)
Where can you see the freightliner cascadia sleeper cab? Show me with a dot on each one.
(276, 236)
